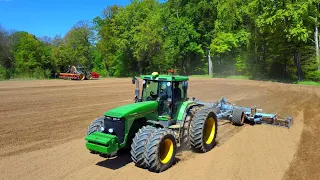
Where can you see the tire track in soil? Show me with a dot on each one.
(306, 162)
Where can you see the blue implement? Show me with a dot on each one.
(238, 114)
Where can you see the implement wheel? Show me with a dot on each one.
(161, 150)
(81, 77)
(203, 130)
(238, 116)
(138, 146)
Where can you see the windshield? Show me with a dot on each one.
(156, 90)
(170, 95)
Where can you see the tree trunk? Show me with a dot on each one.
(107, 69)
(89, 60)
(285, 67)
(210, 64)
(264, 58)
(139, 67)
(221, 67)
(183, 64)
(316, 41)
(298, 65)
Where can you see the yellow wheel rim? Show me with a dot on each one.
(166, 151)
(209, 130)
(81, 77)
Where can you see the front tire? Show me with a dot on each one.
(161, 150)
(203, 130)
(96, 126)
(138, 146)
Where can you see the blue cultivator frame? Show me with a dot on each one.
(239, 114)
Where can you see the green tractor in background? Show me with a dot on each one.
(161, 120)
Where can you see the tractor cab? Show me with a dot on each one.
(169, 91)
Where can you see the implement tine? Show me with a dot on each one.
(279, 121)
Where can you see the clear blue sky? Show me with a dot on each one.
(50, 17)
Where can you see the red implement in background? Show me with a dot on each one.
(78, 73)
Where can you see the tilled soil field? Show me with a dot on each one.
(43, 125)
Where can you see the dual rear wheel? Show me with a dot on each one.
(155, 148)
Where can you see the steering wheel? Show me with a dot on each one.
(153, 95)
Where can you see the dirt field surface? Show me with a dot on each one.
(43, 125)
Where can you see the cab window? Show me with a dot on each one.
(178, 92)
(150, 91)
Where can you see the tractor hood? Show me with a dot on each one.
(132, 109)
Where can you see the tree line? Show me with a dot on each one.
(260, 39)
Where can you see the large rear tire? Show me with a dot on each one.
(238, 116)
(138, 146)
(185, 142)
(161, 150)
(203, 130)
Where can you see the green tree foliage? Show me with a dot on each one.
(230, 39)
(106, 36)
(28, 54)
(6, 56)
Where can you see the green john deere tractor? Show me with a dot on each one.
(161, 120)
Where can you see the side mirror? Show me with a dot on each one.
(134, 80)
(137, 90)
(185, 84)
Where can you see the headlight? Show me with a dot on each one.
(110, 130)
(114, 118)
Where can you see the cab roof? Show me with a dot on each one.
(157, 77)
